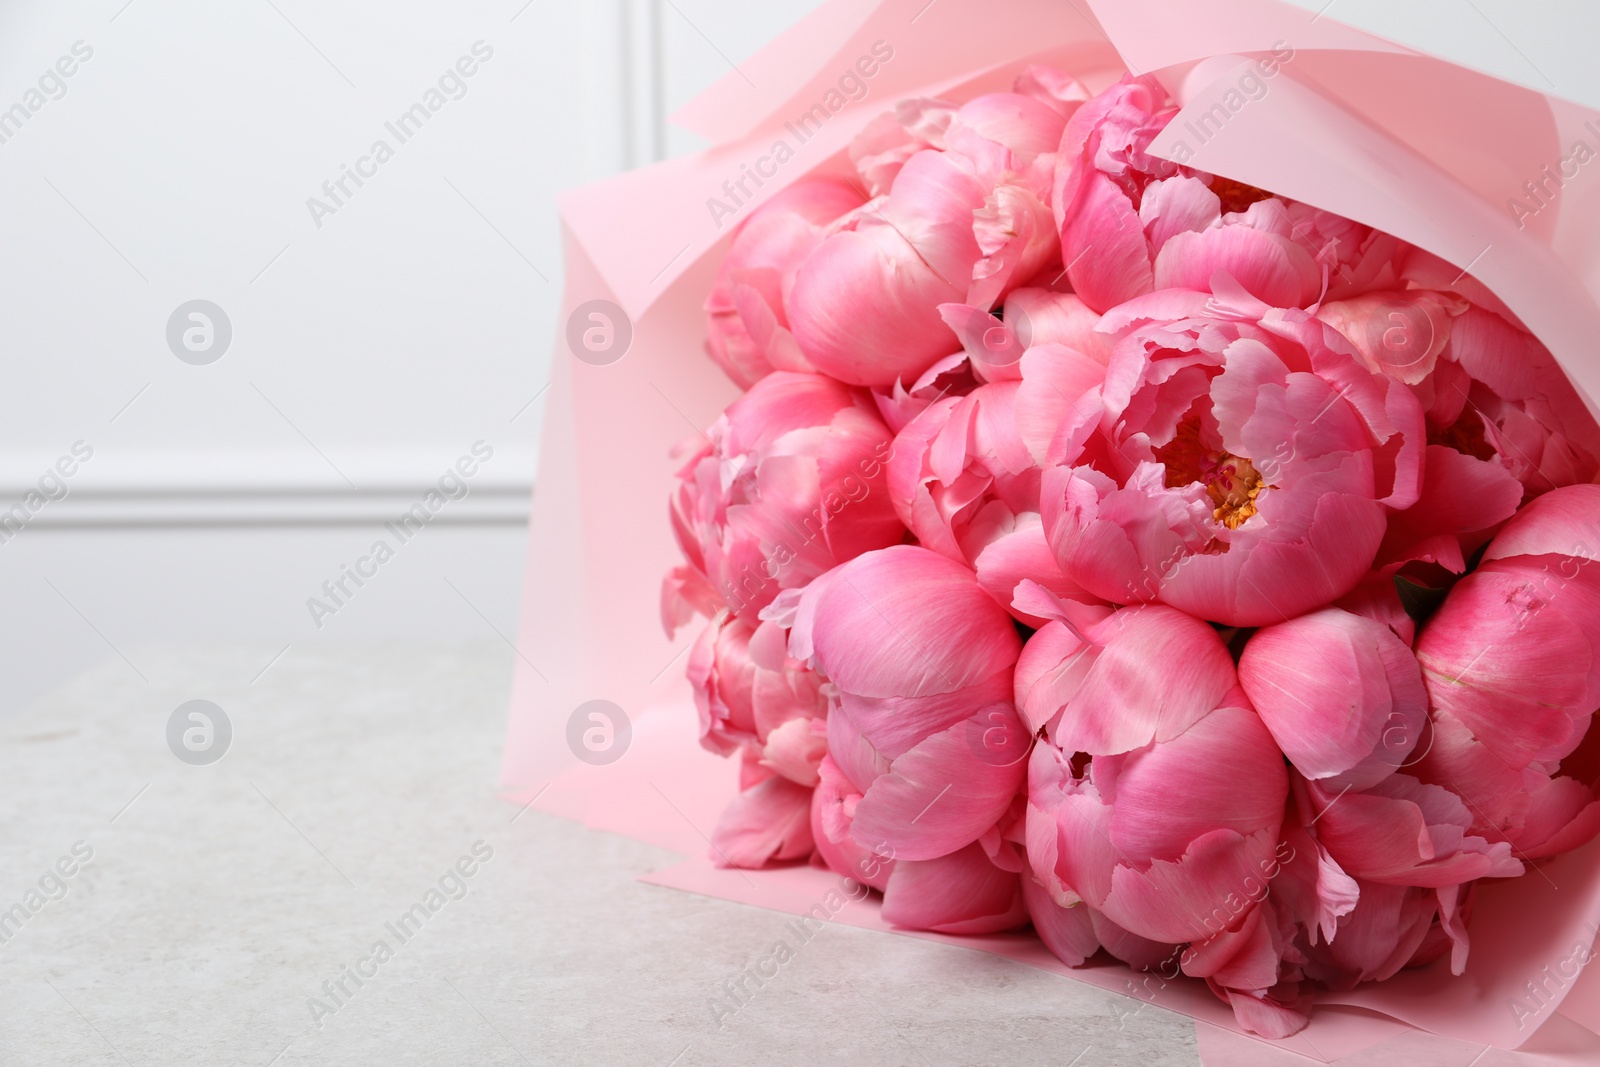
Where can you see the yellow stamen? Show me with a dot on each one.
(1233, 484)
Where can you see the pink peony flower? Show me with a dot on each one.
(963, 480)
(1160, 838)
(864, 305)
(965, 892)
(1176, 843)
(1497, 394)
(1389, 929)
(977, 210)
(1132, 223)
(1028, 317)
(790, 483)
(756, 701)
(1340, 694)
(919, 658)
(769, 821)
(1244, 465)
(1102, 682)
(1511, 661)
(965, 219)
(1103, 171)
(746, 312)
(1156, 801)
(753, 698)
(1400, 831)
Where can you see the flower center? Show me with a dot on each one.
(1232, 483)
(1236, 196)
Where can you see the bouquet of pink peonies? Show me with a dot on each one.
(1136, 520)
(1100, 544)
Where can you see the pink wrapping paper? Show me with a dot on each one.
(1405, 142)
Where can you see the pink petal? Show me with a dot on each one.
(1224, 773)
(1015, 232)
(1121, 703)
(1050, 673)
(1461, 494)
(832, 808)
(1265, 1016)
(1103, 245)
(963, 893)
(1177, 205)
(931, 205)
(1341, 694)
(1023, 124)
(1043, 316)
(945, 792)
(1398, 333)
(1021, 555)
(795, 748)
(1276, 270)
(990, 344)
(904, 621)
(1563, 522)
(770, 821)
(1312, 889)
(1067, 932)
(1403, 832)
(1188, 899)
(894, 725)
(1058, 403)
(864, 307)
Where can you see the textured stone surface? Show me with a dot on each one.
(220, 898)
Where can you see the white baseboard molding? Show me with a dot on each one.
(221, 490)
(164, 509)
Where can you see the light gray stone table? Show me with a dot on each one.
(218, 899)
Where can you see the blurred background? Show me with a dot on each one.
(237, 339)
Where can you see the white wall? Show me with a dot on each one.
(369, 352)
